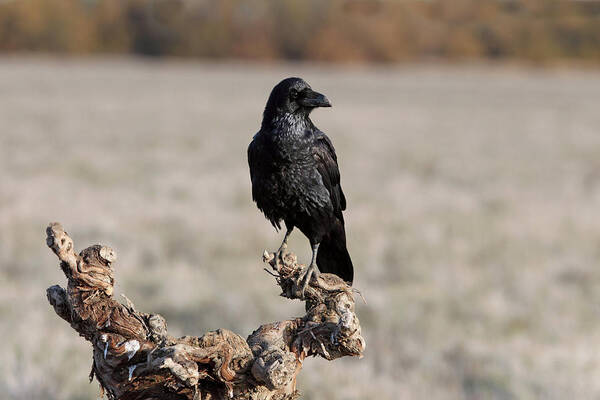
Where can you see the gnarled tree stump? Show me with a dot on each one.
(135, 358)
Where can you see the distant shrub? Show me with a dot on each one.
(340, 30)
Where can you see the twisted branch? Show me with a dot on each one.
(135, 358)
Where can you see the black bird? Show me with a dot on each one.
(295, 177)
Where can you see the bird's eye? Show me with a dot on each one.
(293, 94)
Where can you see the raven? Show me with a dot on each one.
(295, 177)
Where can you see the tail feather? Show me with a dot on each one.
(333, 256)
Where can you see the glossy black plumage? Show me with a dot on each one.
(295, 175)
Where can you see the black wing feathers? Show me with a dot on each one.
(258, 164)
(327, 165)
(252, 160)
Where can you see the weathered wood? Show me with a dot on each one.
(135, 358)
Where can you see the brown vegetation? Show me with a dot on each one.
(340, 31)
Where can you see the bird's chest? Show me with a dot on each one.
(287, 175)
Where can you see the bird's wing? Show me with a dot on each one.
(253, 161)
(256, 162)
(327, 165)
(251, 156)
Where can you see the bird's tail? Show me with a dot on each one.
(333, 256)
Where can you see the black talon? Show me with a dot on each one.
(279, 253)
(312, 269)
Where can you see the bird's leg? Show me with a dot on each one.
(279, 254)
(312, 268)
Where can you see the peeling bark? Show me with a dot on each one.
(135, 358)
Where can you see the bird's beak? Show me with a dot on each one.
(311, 98)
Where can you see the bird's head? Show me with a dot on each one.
(293, 96)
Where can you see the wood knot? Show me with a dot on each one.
(108, 254)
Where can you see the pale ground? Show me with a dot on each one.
(473, 218)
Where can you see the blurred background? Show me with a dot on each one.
(468, 139)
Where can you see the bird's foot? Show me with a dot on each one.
(310, 273)
(279, 254)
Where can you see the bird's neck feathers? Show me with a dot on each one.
(287, 124)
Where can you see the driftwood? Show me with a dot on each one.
(135, 358)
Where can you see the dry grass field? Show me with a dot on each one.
(473, 218)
